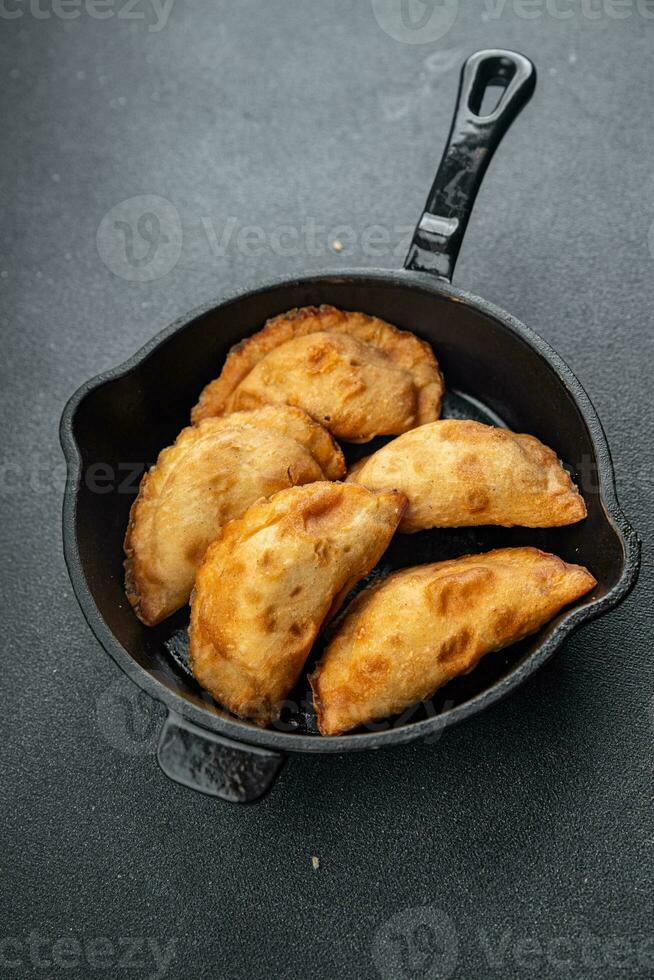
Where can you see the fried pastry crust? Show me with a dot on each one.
(271, 579)
(212, 474)
(355, 374)
(458, 473)
(406, 636)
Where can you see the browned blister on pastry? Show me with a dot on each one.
(212, 474)
(406, 636)
(457, 473)
(269, 582)
(355, 374)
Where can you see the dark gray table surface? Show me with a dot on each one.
(521, 843)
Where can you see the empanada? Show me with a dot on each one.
(355, 374)
(271, 579)
(406, 636)
(457, 473)
(212, 474)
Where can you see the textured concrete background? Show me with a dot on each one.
(520, 844)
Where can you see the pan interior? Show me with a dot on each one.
(492, 375)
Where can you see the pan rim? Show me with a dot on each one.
(242, 732)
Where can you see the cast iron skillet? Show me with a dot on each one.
(496, 370)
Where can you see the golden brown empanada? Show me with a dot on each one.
(355, 374)
(406, 636)
(270, 580)
(212, 474)
(457, 473)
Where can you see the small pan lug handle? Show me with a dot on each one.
(470, 146)
(213, 765)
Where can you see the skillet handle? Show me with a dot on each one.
(214, 765)
(470, 146)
